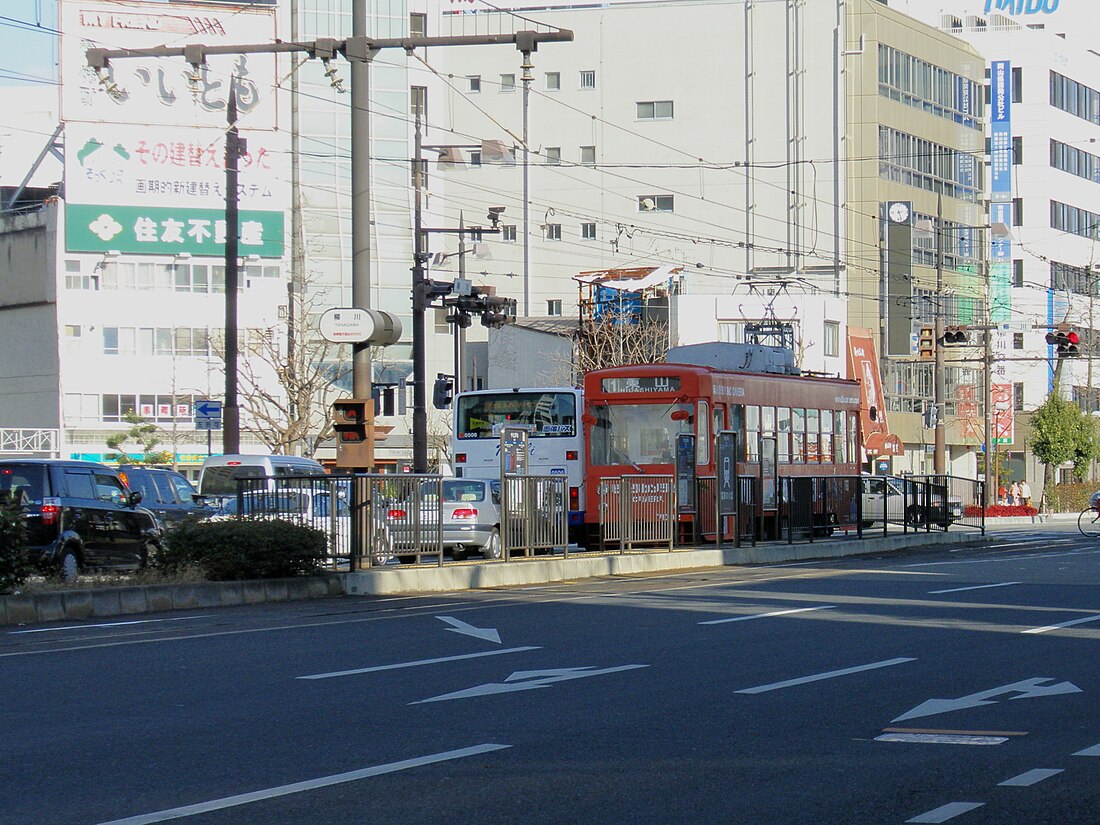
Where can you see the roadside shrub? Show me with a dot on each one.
(14, 568)
(1070, 498)
(242, 549)
(999, 510)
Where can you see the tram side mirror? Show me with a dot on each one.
(588, 419)
(873, 413)
(680, 415)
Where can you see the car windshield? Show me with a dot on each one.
(222, 481)
(24, 482)
(456, 490)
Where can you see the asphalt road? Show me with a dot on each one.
(941, 685)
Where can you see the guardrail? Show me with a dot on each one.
(534, 515)
(637, 510)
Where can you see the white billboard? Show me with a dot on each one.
(159, 91)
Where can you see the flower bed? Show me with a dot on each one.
(1000, 510)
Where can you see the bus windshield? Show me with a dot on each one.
(542, 414)
(636, 433)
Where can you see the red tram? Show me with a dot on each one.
(786, 424)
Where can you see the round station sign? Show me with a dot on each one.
(354, 325)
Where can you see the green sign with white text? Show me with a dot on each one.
(161, 230)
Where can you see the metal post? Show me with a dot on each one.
(460, 333)
(360, 199)
(420, 402)
(987, 371)
(231, 415)
(526, 79)
(939, 460)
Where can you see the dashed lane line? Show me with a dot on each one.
(1048, 628)
(769, 615)
(418, 663)
(1032, 777)
(946, 812)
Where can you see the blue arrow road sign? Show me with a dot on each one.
(208, 415)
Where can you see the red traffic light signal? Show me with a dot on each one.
(955, 336)
(1066, 342)
(353, 421)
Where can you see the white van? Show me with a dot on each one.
(219, 473)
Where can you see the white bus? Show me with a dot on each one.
(551, 416)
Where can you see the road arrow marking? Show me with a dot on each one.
(529, 680)
(419, 663)
(1028, 689)
(769, 615)
(1063, 624)
(456, 626)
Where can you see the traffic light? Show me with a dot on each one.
(353, 421)
(441, 392)
(955, 336)
(1065, 341)
(926, 343)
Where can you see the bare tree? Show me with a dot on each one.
(616, 339)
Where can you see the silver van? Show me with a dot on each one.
(219, 473)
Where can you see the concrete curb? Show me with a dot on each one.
(99, 602)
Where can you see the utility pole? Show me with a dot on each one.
(360, 195)
(939, 379)
(526, 79)
(234, 148)
(420, 400)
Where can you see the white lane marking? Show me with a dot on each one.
(1000, 559)
(946, 812)
(975, 587)
(1093, 751)
(1063, 624)
(1029, 778)
(769, 615)
(529, 680)
(419, 663)
(308, 785)
(820, 676)
(941, 739)
(105, 624)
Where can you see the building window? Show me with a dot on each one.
(1018, 397)
(1075, 161)
(1018, 272)
(655, 110)
(832, 339)
(1017, 151)
(75, 280)
(553, 81)
(1070, 96)
(507, 82)
(588, 155)
(1017, 211)
(418, 25)
(655, 203)
(508, 232)
(929, 88)
(473, 83)
(475, 157)
(588, 79)
(1017, 84)
(553, 231)
(919, 162)
(1074, 220)
(588, 231)
(441, 325)
(553, 307)
(552, 154)
(418, 102)
(1017, 340)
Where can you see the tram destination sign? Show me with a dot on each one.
(648, 383)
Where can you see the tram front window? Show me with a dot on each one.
(636, 434)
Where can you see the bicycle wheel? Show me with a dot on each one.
(1089, 523)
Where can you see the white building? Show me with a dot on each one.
(1053, 122)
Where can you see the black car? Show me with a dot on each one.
(164, 491)
(79, 514)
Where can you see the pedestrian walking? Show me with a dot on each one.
(1002, 495)
(1014, 493)
(1025, 493)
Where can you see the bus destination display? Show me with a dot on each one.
(647, 383)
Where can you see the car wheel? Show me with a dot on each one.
(492, 549)
(459, 554)
(69, 567)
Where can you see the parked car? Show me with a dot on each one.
(219, 474)
(79, 514)
(883, 497)
(470, 510)
(166, 492)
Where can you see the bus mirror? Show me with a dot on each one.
(680, 415)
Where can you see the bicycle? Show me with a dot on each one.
(1089, 522)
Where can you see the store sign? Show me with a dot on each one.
(160, 230)
(1022, 6)
(110, 163)
(159, 90)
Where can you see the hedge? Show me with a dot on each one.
(243, 549)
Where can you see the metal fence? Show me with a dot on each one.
(534, 515)
(637, 510)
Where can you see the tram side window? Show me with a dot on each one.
(826, 436)
(853, 438)
(752, 434)
(702, 437)
(840, 427)
(813, 430)
(737, 424)
(798, 435)
(783, 425)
